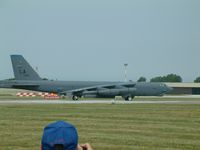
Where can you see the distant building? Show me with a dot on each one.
(185, 88)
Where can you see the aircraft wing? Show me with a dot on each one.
(105, 90)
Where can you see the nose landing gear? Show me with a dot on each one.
(128, 98)
(75, 98)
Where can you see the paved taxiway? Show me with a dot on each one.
(96, 102)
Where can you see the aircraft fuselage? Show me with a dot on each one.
(139, 89)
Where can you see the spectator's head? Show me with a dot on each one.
(59, 135)
(58, 147)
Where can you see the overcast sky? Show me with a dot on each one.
(91, 40)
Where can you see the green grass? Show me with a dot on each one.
(105, 126)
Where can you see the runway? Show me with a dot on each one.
(98, 102)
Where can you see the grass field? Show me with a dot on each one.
(105, 126)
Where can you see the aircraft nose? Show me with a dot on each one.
(169, 89)
(166, 89)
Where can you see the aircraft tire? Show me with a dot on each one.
(128, 98)
(75, 98)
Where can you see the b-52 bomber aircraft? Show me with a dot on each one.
(27, 78)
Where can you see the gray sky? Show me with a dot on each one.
(91, 40)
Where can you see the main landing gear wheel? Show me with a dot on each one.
(128, 98)
(75, 98)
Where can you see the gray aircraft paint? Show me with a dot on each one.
(22, 69)
(27, 78)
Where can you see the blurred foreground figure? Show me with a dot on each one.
(62, 135)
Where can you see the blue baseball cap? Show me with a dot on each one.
(59, 133)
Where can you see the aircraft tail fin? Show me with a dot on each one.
(22, 69)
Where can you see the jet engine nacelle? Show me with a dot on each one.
(117, 92)
(111, 92)
(91, 96)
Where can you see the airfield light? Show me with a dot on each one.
(125, 72)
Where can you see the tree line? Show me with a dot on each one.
(168, 78)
